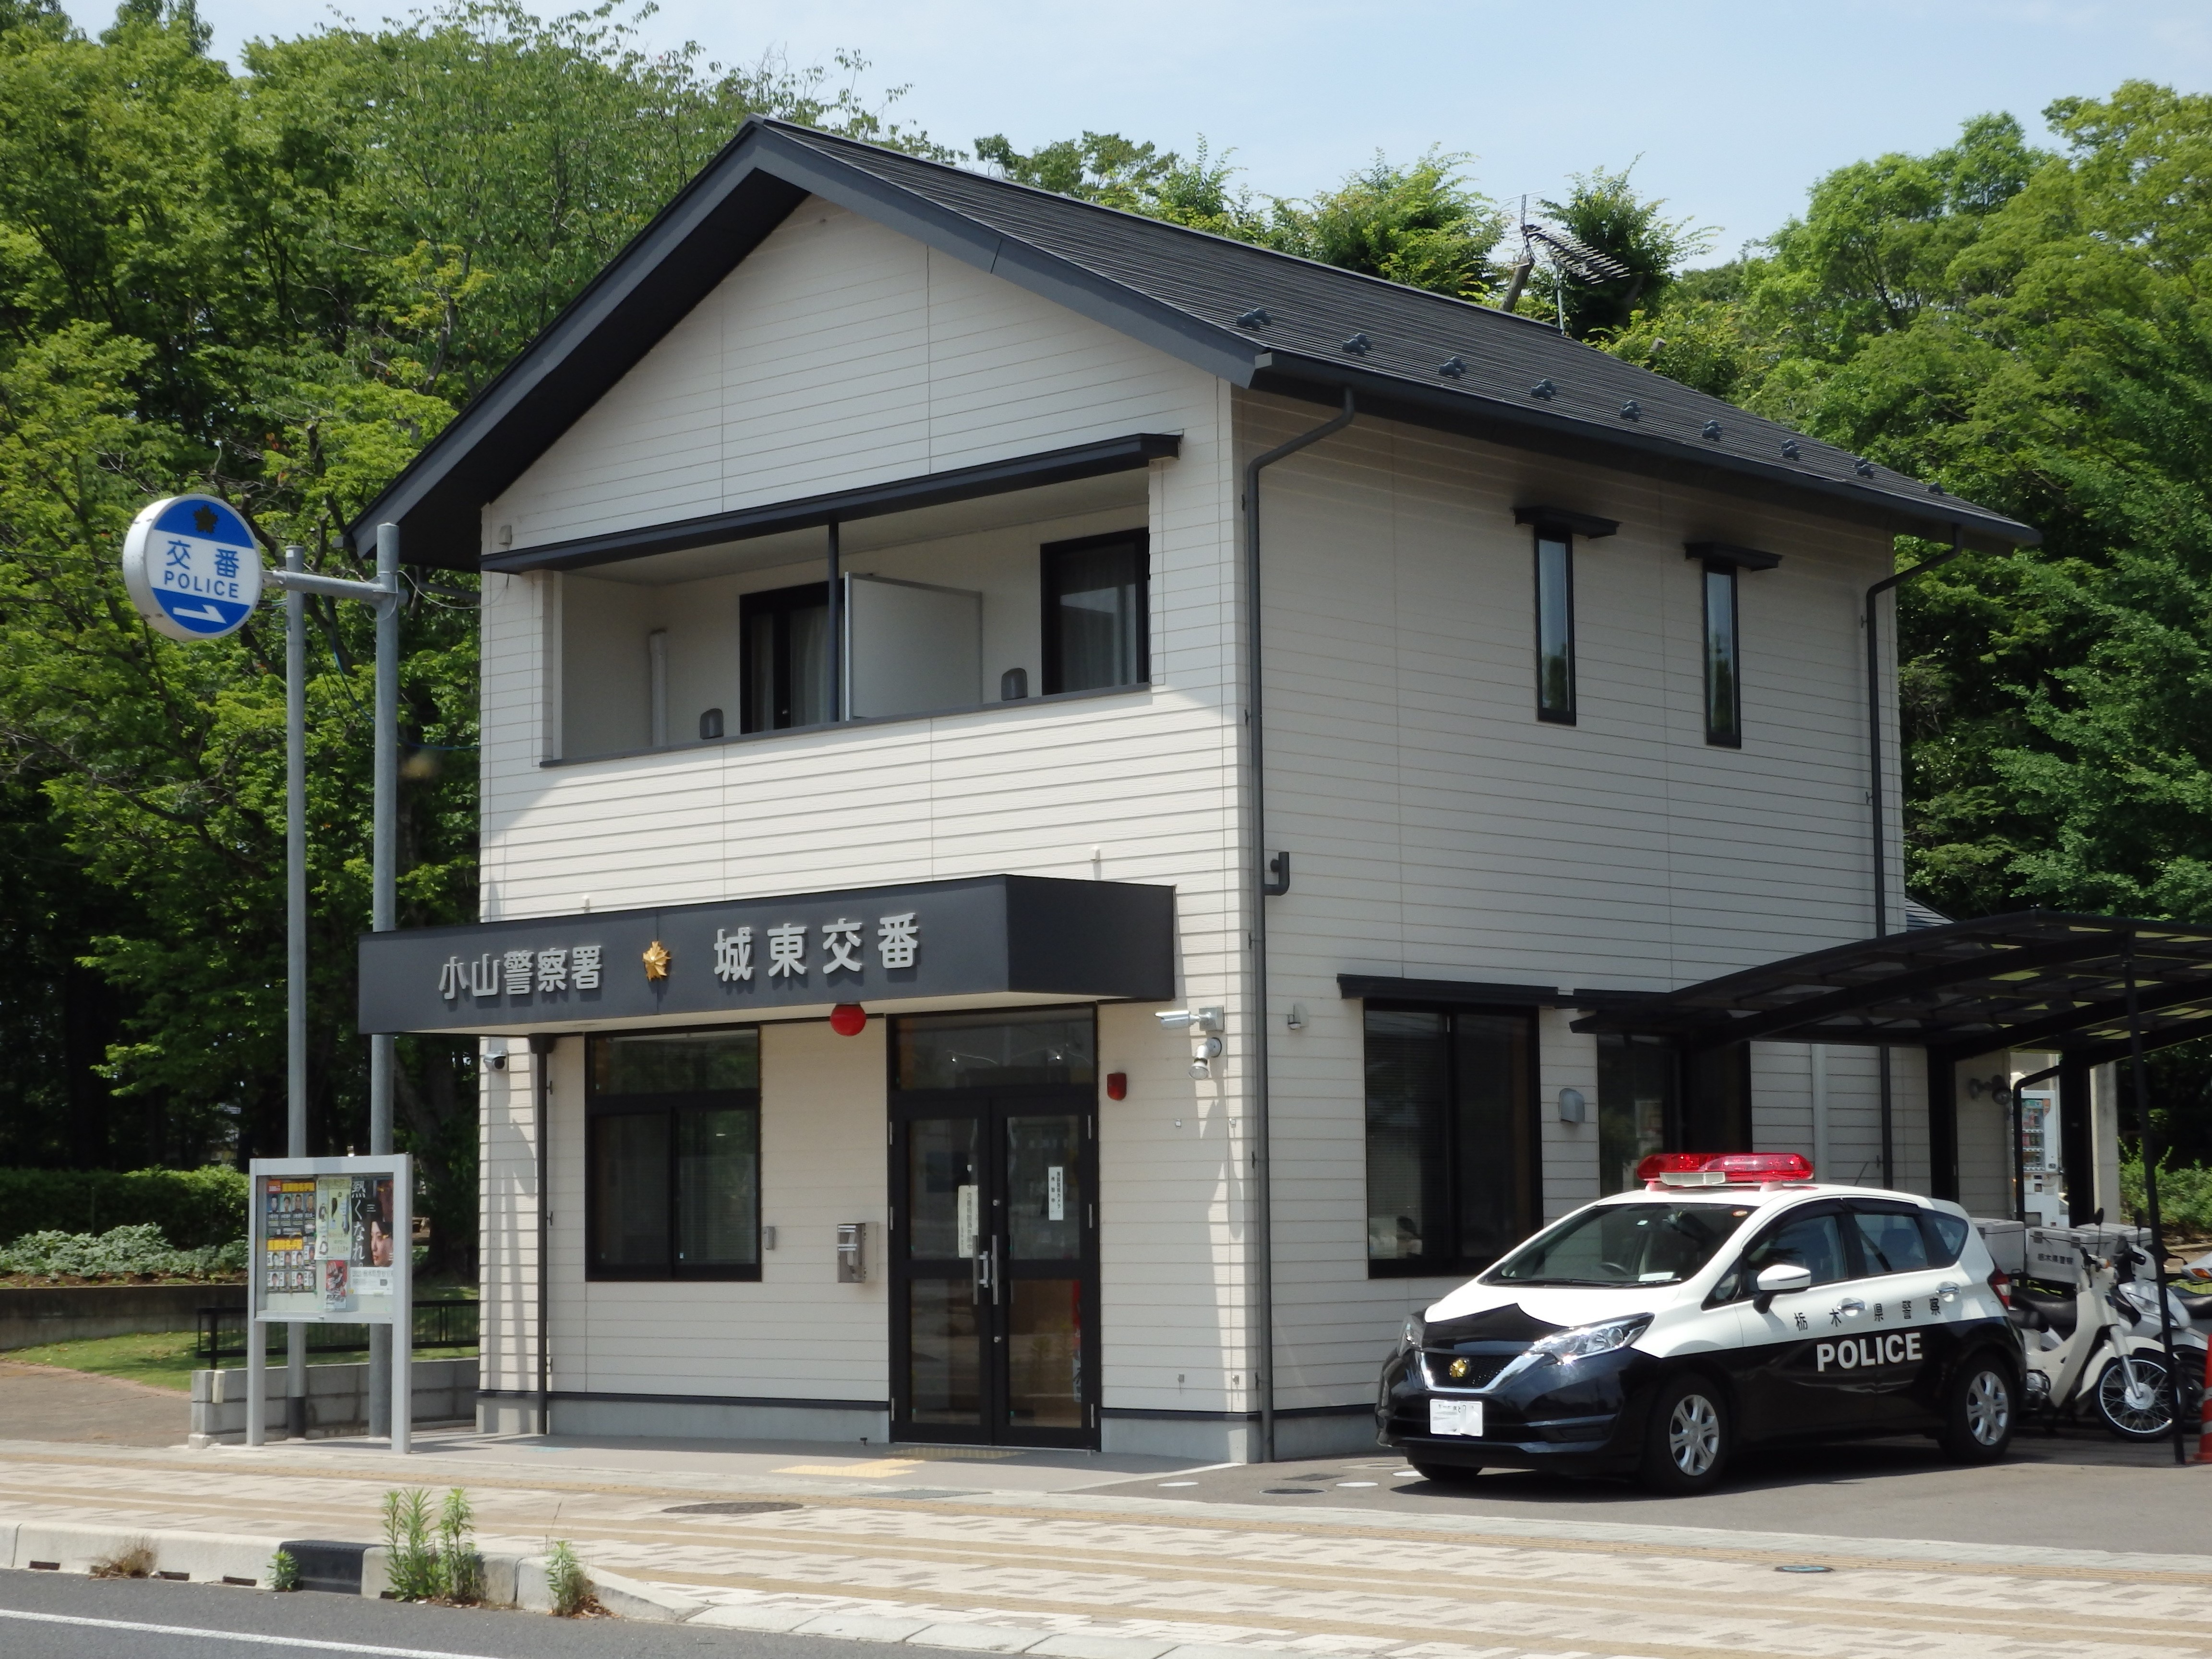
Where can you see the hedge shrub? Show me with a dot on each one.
(120, 1253)
(195, 1209)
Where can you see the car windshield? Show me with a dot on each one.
(1656, 1244)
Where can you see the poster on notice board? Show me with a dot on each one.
(327, 1240)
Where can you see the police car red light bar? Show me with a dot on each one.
(1722, 1168)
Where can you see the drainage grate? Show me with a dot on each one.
(731, 1509)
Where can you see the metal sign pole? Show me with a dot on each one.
(256, 1370)
(383, 907)
(296, 947)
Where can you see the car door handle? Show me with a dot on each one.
(1850, 1306)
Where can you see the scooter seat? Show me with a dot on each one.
(2057, 1312)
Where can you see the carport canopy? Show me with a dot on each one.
(2035, 978)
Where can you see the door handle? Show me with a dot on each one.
(995, 1274)
(1850, 1306)
(979, 1275)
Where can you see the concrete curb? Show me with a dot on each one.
(519, 1581)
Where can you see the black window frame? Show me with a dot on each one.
(1530, 1181)
(778, 603)
(599, 1104)
(1049, 590)
(1708, 1105)
(1565, 540)
(1728, 734)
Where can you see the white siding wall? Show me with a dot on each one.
(507, 1182)
(748, 400)
(1439, 831)
(796, 1333)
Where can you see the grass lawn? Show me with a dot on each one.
(165, 1359)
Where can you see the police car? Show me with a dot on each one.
(1729, 1300)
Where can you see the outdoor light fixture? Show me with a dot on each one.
(1296, 1019)
(1118, 1085)
(848, 1019)
(1573, 1108)
(1208, 1049)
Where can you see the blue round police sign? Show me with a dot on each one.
(191, 567)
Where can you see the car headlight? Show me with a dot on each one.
(1411, 1338)
(1584, 1340)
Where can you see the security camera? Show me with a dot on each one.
(1184, 1019)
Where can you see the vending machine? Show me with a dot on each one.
(2042, 1175)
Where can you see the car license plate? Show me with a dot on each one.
(1456, 1416)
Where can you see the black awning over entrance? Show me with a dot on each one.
(2037, 979)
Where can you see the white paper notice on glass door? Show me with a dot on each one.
(1055, 1192)
(966, 1215)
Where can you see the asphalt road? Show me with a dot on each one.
(63, 1616)
(2081, 1489)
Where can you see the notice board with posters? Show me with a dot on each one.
(329, 1241)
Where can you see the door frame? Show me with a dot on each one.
(993, 1106)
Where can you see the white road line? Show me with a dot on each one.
(238, 1636)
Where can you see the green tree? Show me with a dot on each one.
(1604, 213)
(1421, 224)
(275, 286)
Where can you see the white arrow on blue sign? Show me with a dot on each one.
(191, 567)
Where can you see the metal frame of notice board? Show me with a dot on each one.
(330, 1242)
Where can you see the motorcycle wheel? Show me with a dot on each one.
(2148, 1417)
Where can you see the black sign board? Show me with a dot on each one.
(1027, 934)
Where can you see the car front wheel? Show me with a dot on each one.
(1979, 1414)
(1687, 1441)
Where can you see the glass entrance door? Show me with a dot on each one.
(994, 1267)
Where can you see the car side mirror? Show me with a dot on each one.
(1777, 1280)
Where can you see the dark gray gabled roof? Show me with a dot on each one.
(1518, 382)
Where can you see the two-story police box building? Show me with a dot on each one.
(869, 558)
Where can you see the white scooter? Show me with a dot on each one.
(2102, 1349)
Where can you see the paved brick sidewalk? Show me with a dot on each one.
(1077, 1575)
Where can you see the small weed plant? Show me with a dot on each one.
(431, 1562)
(283, 1572)
(565, 1581)
(134, 1561)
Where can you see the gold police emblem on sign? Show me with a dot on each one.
(1459, 1369)
(656, 960)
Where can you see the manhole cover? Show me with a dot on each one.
(1291, 1491)
(730, 1509)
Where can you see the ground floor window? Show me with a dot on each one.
(672, 1170)
(1453, 1161)
(1653, 1097)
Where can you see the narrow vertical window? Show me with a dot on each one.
(1094, 613)
(1724, 689)
(1555, 627)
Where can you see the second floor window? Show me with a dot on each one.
(1724, 689)
(786, 644)
(1097, 607)
(1555, 627)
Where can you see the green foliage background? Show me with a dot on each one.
(195, 1209)
(275, 285)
